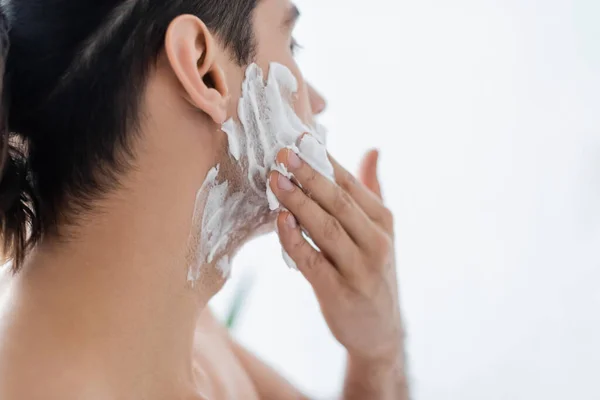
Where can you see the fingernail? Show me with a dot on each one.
(284, 183)
(291, 222)
(294, 161)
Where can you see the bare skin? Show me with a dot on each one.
(105, 312)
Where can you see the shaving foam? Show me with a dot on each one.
(236, 206)
(288, 260)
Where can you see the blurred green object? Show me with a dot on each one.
(237, 305)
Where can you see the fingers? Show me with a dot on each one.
(315, 267)
(367, 199)
(324, 229)
(368, 172)
(332, 198)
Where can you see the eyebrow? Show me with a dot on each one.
(291, 17)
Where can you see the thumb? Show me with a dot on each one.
(368, 172)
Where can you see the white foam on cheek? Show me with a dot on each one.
(267, 124)
(315, 155)
(321, 133)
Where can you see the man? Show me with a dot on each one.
(118, 107)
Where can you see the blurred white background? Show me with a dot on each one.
(488, 117)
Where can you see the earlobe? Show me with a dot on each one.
(191, 51)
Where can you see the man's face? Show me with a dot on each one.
(274, 22)
(242, 183)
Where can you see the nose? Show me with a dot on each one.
(317, 102)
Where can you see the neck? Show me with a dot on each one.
(115, 291)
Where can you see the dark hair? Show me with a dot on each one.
(73, 81)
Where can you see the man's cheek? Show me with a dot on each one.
(303, 108)
(236, 202)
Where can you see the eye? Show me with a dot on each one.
(295, 47)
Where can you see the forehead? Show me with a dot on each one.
(273, 12)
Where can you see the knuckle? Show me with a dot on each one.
(298, 246)
(332, 229)
(387, 215)
(310, 176)
(386, 218)
(302, 201)
(314, 260)
(382, 247)
(347, 181)
(342, 201)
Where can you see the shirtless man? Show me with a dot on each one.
(112, 114)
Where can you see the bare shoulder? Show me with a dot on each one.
(265, 381)
(218, 369)
(23, 375)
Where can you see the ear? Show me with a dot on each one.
(191, 51)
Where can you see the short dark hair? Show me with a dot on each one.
(73, 82)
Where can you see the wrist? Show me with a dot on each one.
(386, 361)
(378, 368)
(376, 378)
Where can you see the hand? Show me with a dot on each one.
(354, 274)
